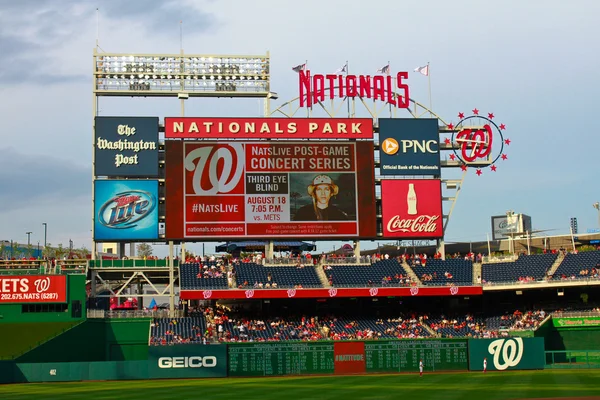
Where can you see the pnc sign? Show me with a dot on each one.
(409, 146)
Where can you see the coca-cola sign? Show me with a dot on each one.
(412, 208)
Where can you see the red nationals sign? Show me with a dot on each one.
(33, 289)
(412, 208)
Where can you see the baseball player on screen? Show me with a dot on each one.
(484, 364)
(420, 367)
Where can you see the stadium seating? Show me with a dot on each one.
(460, 269)
(535, 266)
(457, 326)
(189, 280)
(177, 330)
(285, 277)
(573, 264)
(360, 275)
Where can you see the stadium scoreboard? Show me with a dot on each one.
(265, 359)
(404, 355)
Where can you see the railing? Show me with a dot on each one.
(23, 265)
(573, 359)
(134, 314)
(543, 281)
(287, 261)
(498, 259)
(349, 260)
(575, 314)
(131, 263)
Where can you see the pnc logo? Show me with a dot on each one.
(207, 294)
(217, 168)
(127, 208)
(507, 352)
(390, 146)
(187, 362)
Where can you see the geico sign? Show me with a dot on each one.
(187, 362)
(419, 146)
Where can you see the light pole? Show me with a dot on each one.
(597, 207)
(29, 242)
(45, 234)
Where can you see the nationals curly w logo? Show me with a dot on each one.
(42, 284)
(332, 292)
(507, 352)
(218, 168)
(373, 291)
(207, 294)
(291, 292)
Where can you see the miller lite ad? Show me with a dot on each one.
(412, 208)
(125, 210)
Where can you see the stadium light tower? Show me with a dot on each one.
(180, 76)
(597, 207)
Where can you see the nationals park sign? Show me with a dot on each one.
(268, 128)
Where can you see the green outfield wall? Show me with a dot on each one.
(511, 353)
(571, 334)
(96, 340)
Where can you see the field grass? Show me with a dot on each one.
(479, 386)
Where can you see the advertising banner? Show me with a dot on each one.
(575, 322)
(187, 361)
(126, 147)
(33, 289)
(409, 146)
(268, 128)
(506, 353)
(269, 189)
(332, 292)
(412, 208)
(125, 210)
(349, 358)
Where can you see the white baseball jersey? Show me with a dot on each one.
(484, 364)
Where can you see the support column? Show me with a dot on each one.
(441, 248)
(182, 256)
(121, 250)
(131, 250)
(93, 277)
(269, 250)
(171, 281)
(357, 251)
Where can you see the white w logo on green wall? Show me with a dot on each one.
(506, 352)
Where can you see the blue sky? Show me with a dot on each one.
(532, 63)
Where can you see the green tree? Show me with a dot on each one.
(84, 251)
(144, 250)
(61, 251)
